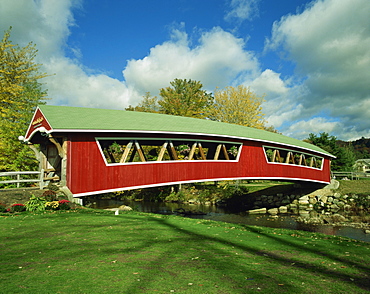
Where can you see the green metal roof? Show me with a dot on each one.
(78, 118)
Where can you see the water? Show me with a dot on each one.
(216, 213)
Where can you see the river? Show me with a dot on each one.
(216, 213)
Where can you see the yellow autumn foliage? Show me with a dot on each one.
(237, 105)
(20, 93)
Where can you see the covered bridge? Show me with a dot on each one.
(92, 151)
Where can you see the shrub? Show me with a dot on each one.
(64, 204)
(49, 195)
(52, 205)
(53, 187)
(35, 204)
(2, 207)
(18, 207)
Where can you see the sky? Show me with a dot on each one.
(310, 59)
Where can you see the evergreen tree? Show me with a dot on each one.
(345, 157)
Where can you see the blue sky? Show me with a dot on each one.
(148, 23)
(310, 59)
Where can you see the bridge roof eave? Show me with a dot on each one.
(78, 119)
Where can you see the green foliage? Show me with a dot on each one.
(345, 157)
(36, 204)
(18, 207)
(20, 93)
(362, 201)
(53, 187)
(2, 207)
(49, 195)
(58, 205)
(148, 104)
(64, 204)
(185, 98)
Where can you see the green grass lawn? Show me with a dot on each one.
(94, 251)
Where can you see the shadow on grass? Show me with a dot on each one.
(245, 202)
(142, 241)
(362, 282)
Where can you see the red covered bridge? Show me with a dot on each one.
(93, 151)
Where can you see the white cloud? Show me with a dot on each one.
(71, 86)
(329, 43)
(215, 61)
(242, 10)
(218, 59)
(47, 24)
(314, 125)
(270, 83)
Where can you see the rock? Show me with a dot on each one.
(330, 199)
(334, 207)
(338, 218)
(305, 198)
(273, 211)
(258, 203)
(323, 198)
(293, 206)
(337, 195)
(303, 202)
(285, 201)
(283, 209)
(367, 231)
(125, 208)
(304, 213)
(334, 184)
(257, 211)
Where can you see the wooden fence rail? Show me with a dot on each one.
(349, 175)
(16, 177)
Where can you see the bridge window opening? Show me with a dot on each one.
(149, 150)
(285, 156)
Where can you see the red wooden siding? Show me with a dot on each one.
(38, 121)
(89, 174)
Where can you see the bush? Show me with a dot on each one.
(35, 204)
(52, 205)
(53, 187)
(64, 204)
(18, 207)
(2, 207)
(49, 195)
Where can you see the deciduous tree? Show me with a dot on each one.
(185, 98)
(237, 105)
(148, 104)
(20, 93)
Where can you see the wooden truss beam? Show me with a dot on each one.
(126, 152)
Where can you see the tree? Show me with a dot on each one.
(148, 104)
(237, 105)
(185, 98)
(20, 93)
(345, 157)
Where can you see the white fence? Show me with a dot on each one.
(349, 175)
(16, 177)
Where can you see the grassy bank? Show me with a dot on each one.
(354, 187)
(93, 251)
